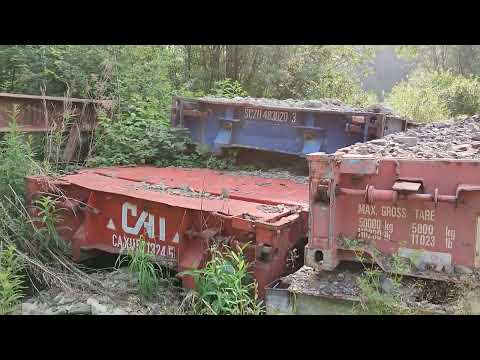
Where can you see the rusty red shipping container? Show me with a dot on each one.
(427, 211)
(41, 114)
(180, 212)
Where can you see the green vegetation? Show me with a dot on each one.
(49, 217)
(141, 265)
(228, 88)
(138, 136)
(380, 293)
(224, 286)
(15, 159)
(434, 95)
(11, 278)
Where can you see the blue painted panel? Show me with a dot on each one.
(336, 135)
(301, 134)
(195, 128)
(312, 145)
(262, 134)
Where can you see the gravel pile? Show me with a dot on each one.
(337, 283)
(343, 282)
(454, 139)
(273, 209)
(125, 302)
(179, 191)
(322, 104)
(271, 174)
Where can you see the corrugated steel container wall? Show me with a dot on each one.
(426, 211)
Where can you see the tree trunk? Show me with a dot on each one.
(465, 58)
(249, 76)
(188, 62)
(215, 64)
(231, 62)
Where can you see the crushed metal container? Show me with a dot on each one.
(181, 212)
(307, 292)
(273, 126)
(338, 292)
(417, 217)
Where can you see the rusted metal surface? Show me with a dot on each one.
(425, 211)
(41, 114)
(181, 212)
(337, 292)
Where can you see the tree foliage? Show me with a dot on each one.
(280, 71)
(436, 95)
(142, 80)
(459, 59)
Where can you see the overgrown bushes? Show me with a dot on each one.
(228, 88)
(140, 135)
(432, 96)
(15, 160)
(11, 278)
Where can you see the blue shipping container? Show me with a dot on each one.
(220, 123)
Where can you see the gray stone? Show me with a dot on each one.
(118, 311)
(407, 140)
(421, 266)
(58, 311)
(155, 309)
(450, 139)
(97, 308)
(439, 268)
(461, 147)
(63, 299)
(380, 108)
(460, 269)
(37, 308)
(448, 269)
(30, 309)
(381, 142)
(80, 309)
(386, 284)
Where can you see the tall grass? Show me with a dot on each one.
(11, 278)
(224, 286)
(141, 264)
(49, 217)
(15, 158)
(17, 228)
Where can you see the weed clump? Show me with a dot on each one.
(381, 294)
(224, 285)
(141, 264)
(11, 279)
(15, 159)
(48, 215)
